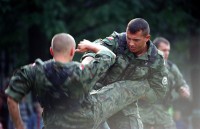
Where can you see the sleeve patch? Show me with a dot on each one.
(110, 38)
(81, 67)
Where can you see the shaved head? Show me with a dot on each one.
(62, 43)
(138, 24)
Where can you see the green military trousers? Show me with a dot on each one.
(104, 125)
(156, 116)
(125, 120)
(147, 126)
(114, 97)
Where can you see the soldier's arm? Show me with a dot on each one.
(92, 47)
(18, 87)
(109, 42)
(180, 84)
(13, 107)
(20, 83)
(93, 70)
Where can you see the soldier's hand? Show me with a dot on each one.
(83, 46)
(184, 92)
(86, 45)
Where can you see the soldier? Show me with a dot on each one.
(156, 116)
(137, 59)
(62, 87)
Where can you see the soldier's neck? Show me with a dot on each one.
(62, 59)
(142, 51)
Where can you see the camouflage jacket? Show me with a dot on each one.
(62, 89)
(127, 66)
(176, 80)
(158, 113)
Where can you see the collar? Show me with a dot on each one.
(145, 56)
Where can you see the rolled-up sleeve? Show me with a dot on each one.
(19, 84)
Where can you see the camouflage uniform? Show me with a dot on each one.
(157, 115)
(104, 125)
(63, 92)
(127, 66)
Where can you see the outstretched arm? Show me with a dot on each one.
(180, 84)
(13, 108)
(85, 46)
(97, 65)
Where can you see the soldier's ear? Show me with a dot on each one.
(148, 37)
(51, 51)
(72, 51)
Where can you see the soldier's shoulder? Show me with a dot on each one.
(36, 63)
(112, 39)
(39, 62)
(170, 63)
(154, 52)
(114, 34)
(75, 63)
(76, 66)
(160, 53)
(118, 35)
(157, 57)
(174, 67)
(160, 56)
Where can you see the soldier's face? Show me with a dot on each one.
(137, 42)
(165, 48)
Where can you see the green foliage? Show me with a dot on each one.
(91, 19)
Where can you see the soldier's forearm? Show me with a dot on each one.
(15, 113)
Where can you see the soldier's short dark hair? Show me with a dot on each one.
(158, 40)
(138, 24)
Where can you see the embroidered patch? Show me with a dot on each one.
(110, 38)
(81, 67)
(164, 81)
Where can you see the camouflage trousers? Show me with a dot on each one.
(147, 126)
(104, 125)
(156, 116)
(128, 118)
(134, 123)
(114, 97)
(122, 120)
